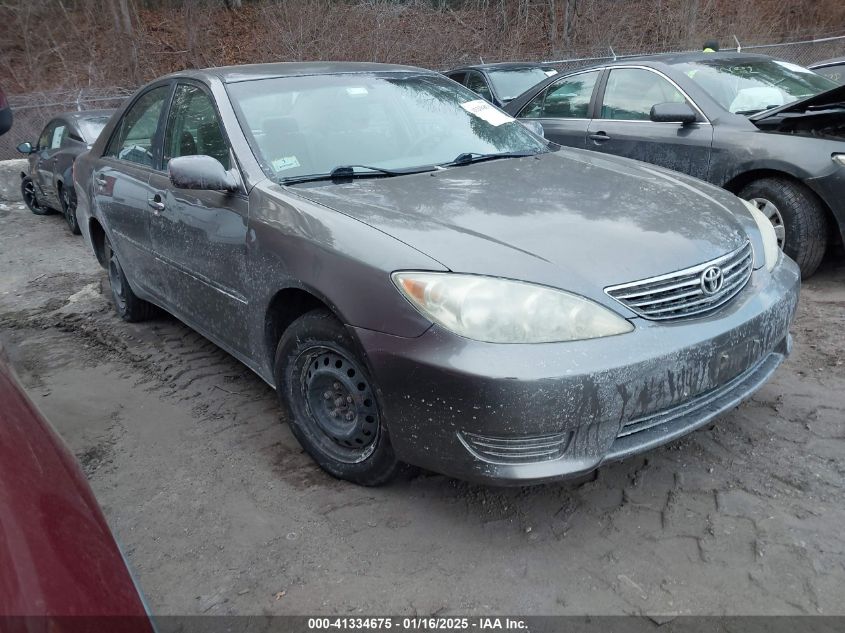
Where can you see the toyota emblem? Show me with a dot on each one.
(712, 280)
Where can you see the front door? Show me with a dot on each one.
(563, 108)
(48, 146)
(199, 237)
(623, 125)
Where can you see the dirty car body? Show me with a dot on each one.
(765, 129)
(475, 303)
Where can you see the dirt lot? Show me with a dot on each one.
(220, 511)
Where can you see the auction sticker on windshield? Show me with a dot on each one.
(484, 110)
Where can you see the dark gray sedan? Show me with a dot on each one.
(423, 280)
(49, 184)
(768, 130)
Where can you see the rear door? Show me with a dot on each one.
(623, 126)
(199, 236)
(563, 108)
(121, 183)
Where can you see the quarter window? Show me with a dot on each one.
(134, 136)
(631, 92)
(568, 98)
(193, 127)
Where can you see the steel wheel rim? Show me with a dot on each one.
(339, 401)
(116, 282)
(771, 211)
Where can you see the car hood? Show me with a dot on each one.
(571, 219)
(834, 96)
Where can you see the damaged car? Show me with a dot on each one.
(767, 130)
(425, 281)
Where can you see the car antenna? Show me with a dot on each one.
(613, 52)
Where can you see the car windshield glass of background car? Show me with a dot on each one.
(509, 84)
(92, 127)
(310, 125)
(752, 86)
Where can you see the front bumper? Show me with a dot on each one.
(530, 413)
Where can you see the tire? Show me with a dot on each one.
(30, 198)
(802, 215)
(331, 401)
(126, 303)
(67, 196)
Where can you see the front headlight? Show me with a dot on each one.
(505, 311)
(771, 251)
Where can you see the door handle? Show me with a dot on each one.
(156, 204)
(599, 137)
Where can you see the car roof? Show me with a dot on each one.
(828, 62)
(250, 72)
(670, 59)
(501, 66)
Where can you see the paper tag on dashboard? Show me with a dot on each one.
(485, 111)
(285, 162)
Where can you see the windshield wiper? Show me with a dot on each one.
(469, 158)
(346, 172)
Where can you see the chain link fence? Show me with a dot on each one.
(32, 111)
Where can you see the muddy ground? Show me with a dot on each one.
(220, 511)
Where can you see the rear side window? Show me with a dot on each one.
(459, 77)
(631, 92)
(134, 134)
(193, 127)
(568, 98)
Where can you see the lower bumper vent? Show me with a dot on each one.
(516, 450)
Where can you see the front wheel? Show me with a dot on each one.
(30, 197)
(127, 304)
(67, 196)
(798, 217)
(331, 401)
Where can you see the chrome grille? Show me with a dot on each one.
(682, 293)
(516, 450)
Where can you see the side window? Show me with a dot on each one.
(193, 127)
(568, 98)
(46, 138)
(477, 83)
(459, 77)
(134, 135)
(631, 92)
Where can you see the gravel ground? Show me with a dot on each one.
(220, 512)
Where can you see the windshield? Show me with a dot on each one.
(509, 84)
(92, 127)
(753, 86)
(310, 125)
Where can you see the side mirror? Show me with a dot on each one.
(534, 126)
(200, 172)
(25, 148)
(672, 113)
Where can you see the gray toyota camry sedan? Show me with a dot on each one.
(423, 280)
